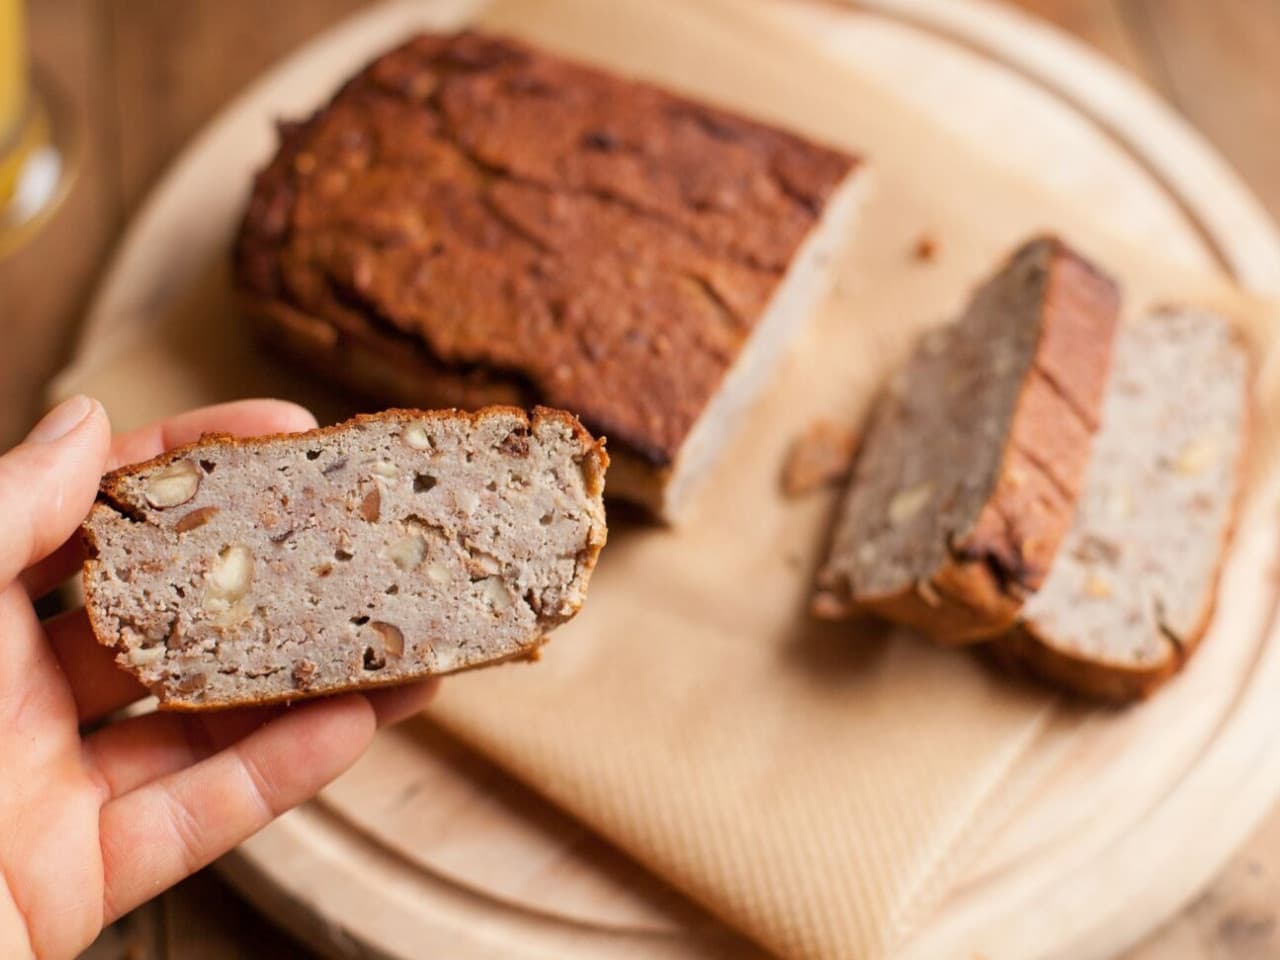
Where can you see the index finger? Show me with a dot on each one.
(241, 418)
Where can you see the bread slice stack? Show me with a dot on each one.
(1038, 477)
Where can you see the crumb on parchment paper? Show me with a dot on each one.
(819, 457)
(926, 248)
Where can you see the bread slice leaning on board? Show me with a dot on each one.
(1132, 590)
(975, 454)
(392, 547)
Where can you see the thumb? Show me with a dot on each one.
(49, 481)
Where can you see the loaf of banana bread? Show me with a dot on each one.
(471, 220)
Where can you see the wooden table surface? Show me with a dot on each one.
(144, 75)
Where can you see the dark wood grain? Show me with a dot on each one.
(144, 75)
(210, 50)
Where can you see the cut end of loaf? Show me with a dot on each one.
(389, 548)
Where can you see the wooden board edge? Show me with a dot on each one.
(1230, 218)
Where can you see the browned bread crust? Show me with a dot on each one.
(127, 514)
(1021, 652)
(473, 220)
(1024, 651)
(992, 566)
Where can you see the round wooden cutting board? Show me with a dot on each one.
(426, 849)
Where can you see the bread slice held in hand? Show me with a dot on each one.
(1132, 590)
(391, 547)
(974, 457)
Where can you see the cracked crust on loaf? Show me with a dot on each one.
(974, 456)
(473, 220)
(392, 547)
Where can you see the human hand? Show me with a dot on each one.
(92, 824)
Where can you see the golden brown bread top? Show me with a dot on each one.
(603, 245)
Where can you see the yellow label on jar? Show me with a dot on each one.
(13, 69)
(13, 95)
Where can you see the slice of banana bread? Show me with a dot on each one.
(973, 459)
(474, 220)
(1132, 589)
(394, 546)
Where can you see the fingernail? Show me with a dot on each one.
(61, 420)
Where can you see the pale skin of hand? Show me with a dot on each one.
(93, 824)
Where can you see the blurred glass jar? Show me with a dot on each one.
(35, 138)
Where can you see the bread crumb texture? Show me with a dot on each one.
(391, 547)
